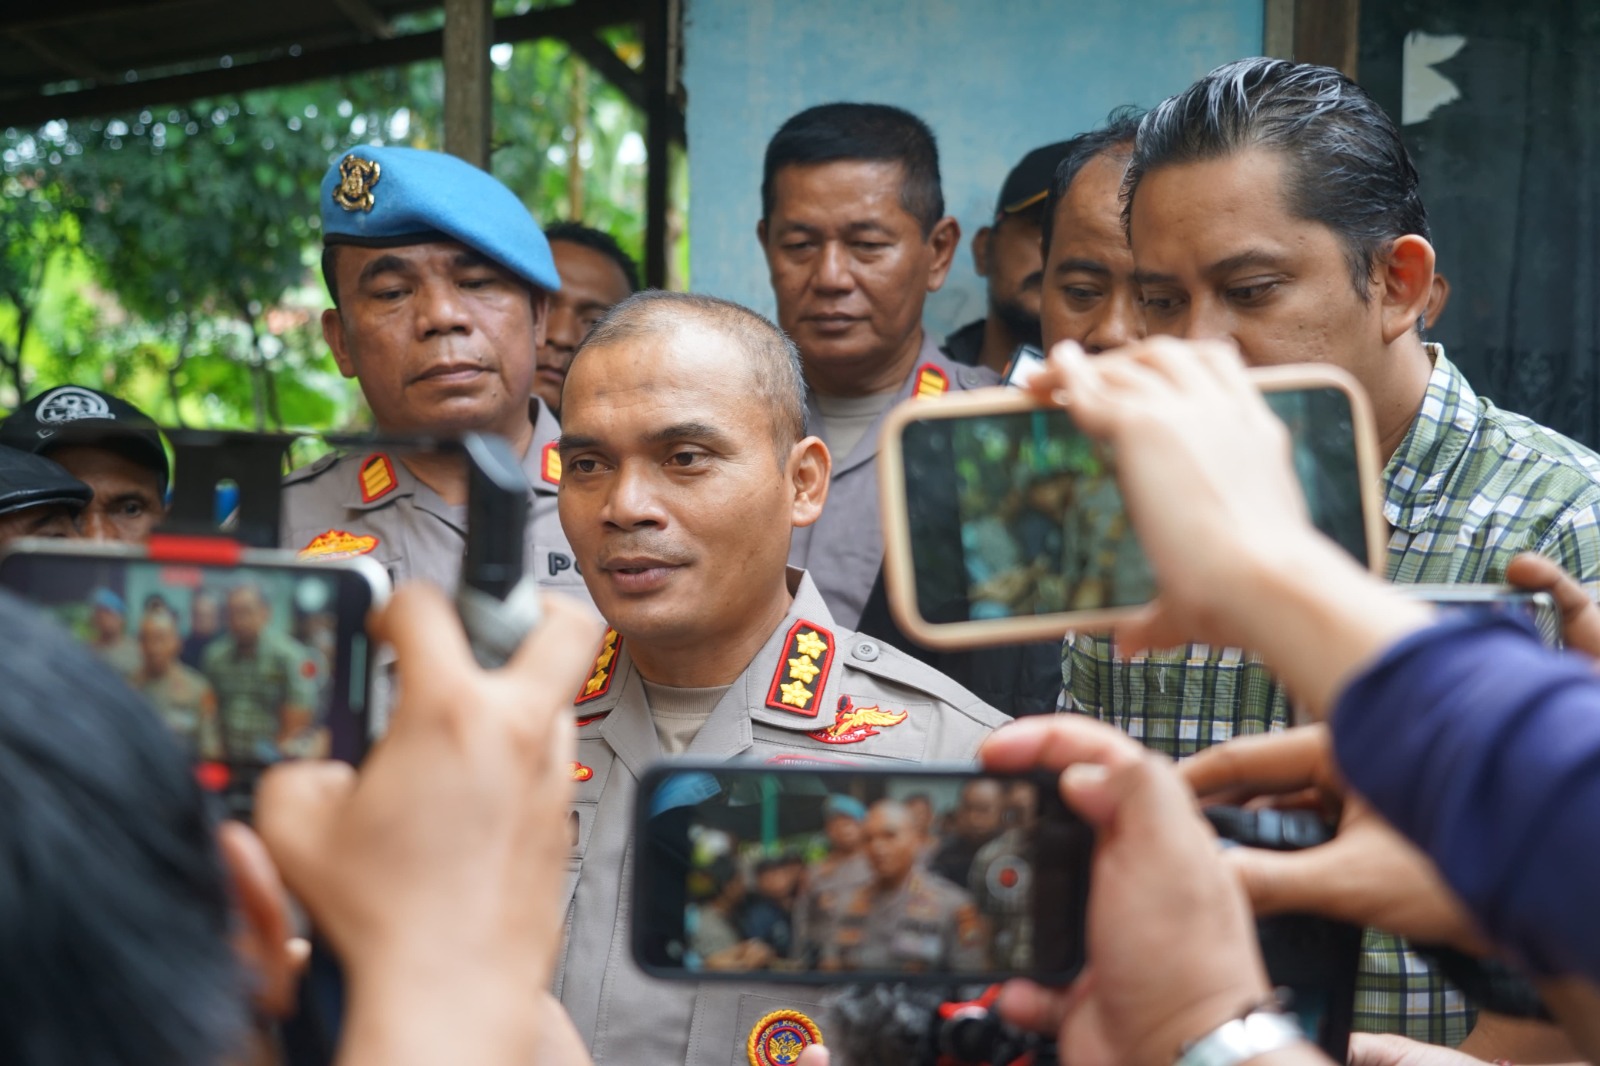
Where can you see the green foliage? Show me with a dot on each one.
(170, 254)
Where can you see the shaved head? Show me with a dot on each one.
(771, 359)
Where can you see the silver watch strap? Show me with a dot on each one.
(1243, 1039)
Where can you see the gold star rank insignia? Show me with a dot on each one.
(802, 672)
(601, 674)
(377, 478)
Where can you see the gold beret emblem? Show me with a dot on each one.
(357, 176)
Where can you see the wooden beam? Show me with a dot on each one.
(468, 74)
(67, 59)
(599, 55)
(328, 62)
(1327, 32)
(1278, 29)
(660, 74)
(364, 17)
(77, 12)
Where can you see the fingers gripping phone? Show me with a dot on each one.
(1003, 523)
(251, 657)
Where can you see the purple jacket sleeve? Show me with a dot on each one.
(1483, 747)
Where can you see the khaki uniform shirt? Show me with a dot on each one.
(370, 504)
(823, 900)
(252, 691)
(843, 549)
(186, 702)
(833, 681)
(927, 924)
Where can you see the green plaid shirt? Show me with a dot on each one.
(1470, 487)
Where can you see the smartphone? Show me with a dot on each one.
(250, 656)
(1025, 363)
(1537, 608)
(1003, 523)
(821, 874)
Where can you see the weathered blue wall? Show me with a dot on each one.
(993, 77)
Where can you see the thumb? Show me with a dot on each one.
(1280, 882)
(815, 1055)
(296, 803)
(1097, 791)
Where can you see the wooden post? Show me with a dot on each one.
(1327, 32)
(659, 71)
(468, 33)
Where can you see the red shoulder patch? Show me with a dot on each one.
(803, 669)
(377, 477)
(931, 381)
(852, 724)
(604, 669)
(550, 463)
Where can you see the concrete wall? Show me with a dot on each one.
(993, 78)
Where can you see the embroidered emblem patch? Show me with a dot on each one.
(357, 176)
(337, 544)
(852, 724)
(931, 381)
(581, 772)
(779, 1038)
(803, 670)
(377, 478)
(70, 403)
(600, 674)
(551, 464)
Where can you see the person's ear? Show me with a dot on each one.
(761, 233)
(809, 469)
(539, 302)
(1405, 275)
(980, 251)
(943, 240)
(263, 936)
(333, 333)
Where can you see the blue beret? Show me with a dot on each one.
(388, 197)
(848, 806)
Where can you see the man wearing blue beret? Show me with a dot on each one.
(440, 281)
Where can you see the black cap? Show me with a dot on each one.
(28, 480)
(72, 414)
(1029, 181)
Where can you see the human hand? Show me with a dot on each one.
(1390, 1049)
(1368, 874)
(435, 870)
(1172, 948)
(1580, 618)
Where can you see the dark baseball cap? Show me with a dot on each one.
(28, 480)
(73, 414)
(1029, 181)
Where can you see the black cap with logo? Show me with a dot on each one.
(73, 414)
(1029, 181)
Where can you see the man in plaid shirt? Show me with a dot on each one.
(1274, 204)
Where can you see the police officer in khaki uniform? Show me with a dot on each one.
(181, 695)
(905, 917)
(855, 236)
(440, 281)
(686, 467)
(830, 882)
(266, 684)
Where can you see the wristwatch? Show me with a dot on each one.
(1241, 1039)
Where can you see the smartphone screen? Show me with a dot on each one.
(816, 874)
(1019, 514)
(1538, 609)
(248, 664)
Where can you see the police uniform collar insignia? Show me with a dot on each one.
(589, 719)
(779, 1038)
(357, 176)
(803, 670)
(580, 772)
(604, 669)
(377, 478)
(338, 544)
(852, 724)
(931, 381)
(550, 465)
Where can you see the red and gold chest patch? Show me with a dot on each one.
(803, 670)
(550, 463)
(779, 1038)
(600, 674)
(581, 772)
(377, 478)
(931, 381)
(337, 544)
(591, 719)
(852, 724)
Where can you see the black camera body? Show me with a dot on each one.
(1311, 960)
